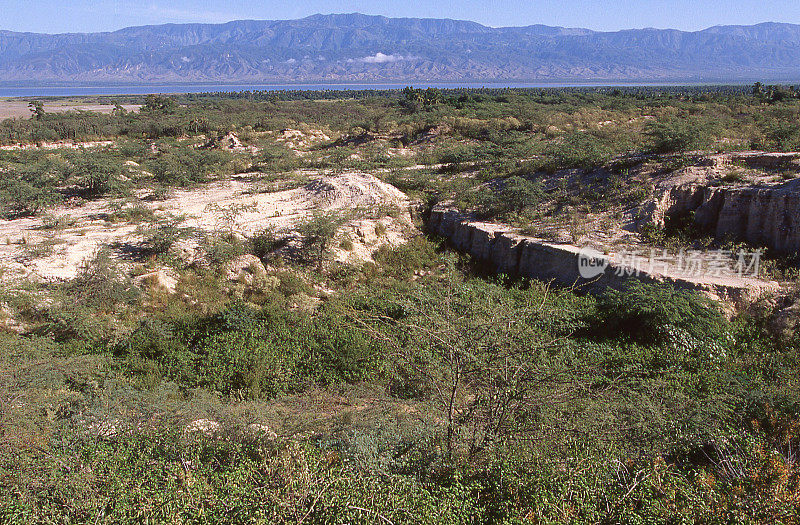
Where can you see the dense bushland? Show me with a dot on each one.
(404, 390)
(527, 403)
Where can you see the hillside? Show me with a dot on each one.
(362, 48)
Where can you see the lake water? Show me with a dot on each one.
(73, 90)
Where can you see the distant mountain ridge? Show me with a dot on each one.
(361, 48)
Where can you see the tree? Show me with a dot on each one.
(520, 193)
(37, 108)
(413, 98)
(649, 313)
(21, 198)
(484, 355)
(159, 104)
(95, 175)
(678, 135)
(517, 195)
(318, 232)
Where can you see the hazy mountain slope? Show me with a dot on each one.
(371, 48)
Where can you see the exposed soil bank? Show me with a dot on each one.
(517, 255)
(760, 211)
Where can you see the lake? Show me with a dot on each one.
(74, 90)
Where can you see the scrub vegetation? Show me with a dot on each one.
(409, 388)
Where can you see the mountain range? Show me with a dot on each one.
(361, 48)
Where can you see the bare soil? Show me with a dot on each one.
(28, 249)
(15, 108)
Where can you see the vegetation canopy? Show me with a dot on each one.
(242, 347)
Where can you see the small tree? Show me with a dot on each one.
(678, 135)
(517, 195)
(318, 233)
(37, 108)
(158, 237)
(159, 104)
(520, 193)
(95, 175)
(483, 354)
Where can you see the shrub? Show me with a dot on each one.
(402, 261)
(87, 307)
(457, 155)
(136, 213)
(102, 284)
(645, 313)
(251, 353)
(57, 222)
(95, 175)
(291, 283)
(266, 242)
(185, 166)
(577, 150)
(220, 249)
(244, 362)
(516, 195)
(783, 136)
(346, 244)
(21, 198)
(158, 237)
(678, 135)
(318, 232)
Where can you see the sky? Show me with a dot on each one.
(59, 16)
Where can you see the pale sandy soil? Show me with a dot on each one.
(15, 108)
(22, 240)
(57, 145)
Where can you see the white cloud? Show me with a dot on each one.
(380, 58)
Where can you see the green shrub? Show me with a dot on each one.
(400, 262)
(87, 308)
(783, 136)
(293, 283)
(646, 312)
(155, 351)
(318, 232)
(21, 198)
(158, 237)
(243, 362)
(250, 353)
(677, 135)
(516, 196)
(457, 155)
(220, 249)
(102, 284)
(577, 150)
(184, 166)
(95, 175)
(136, 213)
(265, 242)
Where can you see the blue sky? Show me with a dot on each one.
(103, 15)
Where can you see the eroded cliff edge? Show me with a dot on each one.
(511, 253)
(758, 207)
